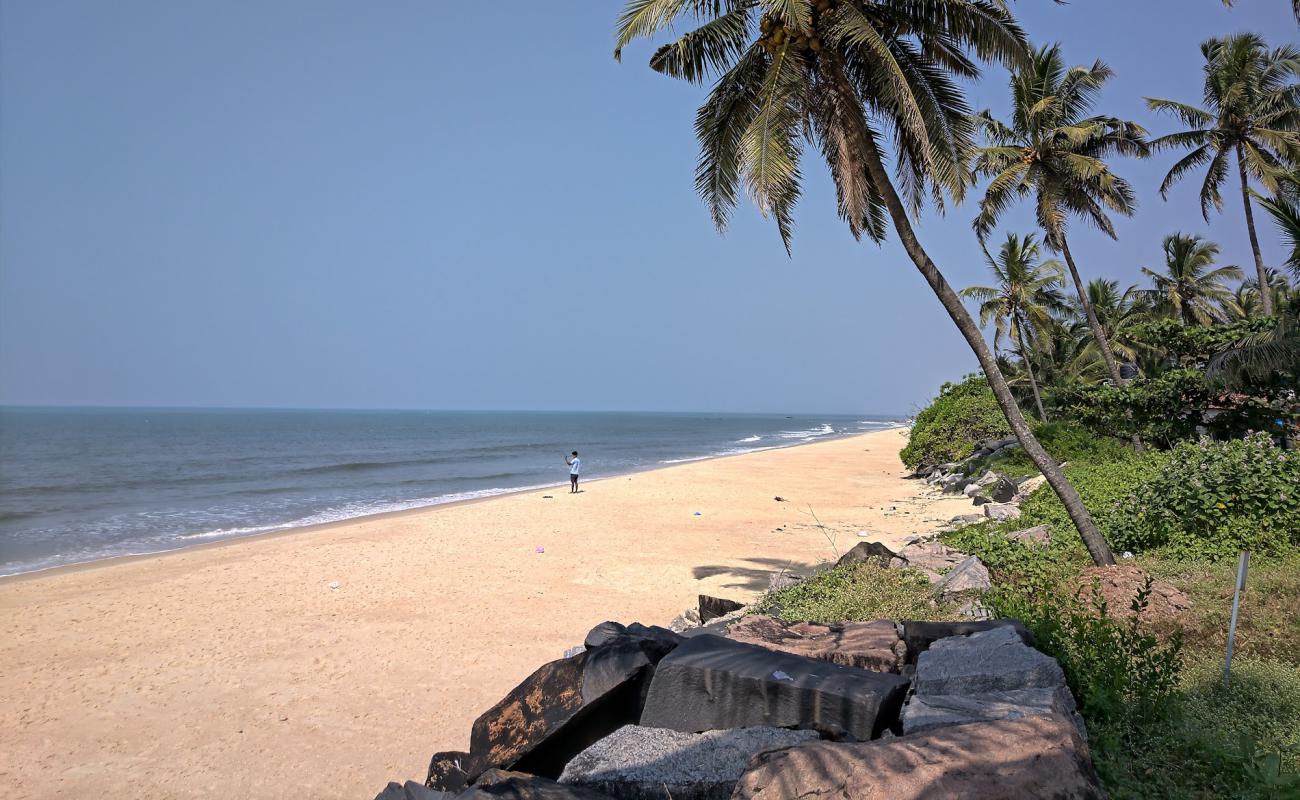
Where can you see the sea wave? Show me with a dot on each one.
(753, 438)
(349, 511)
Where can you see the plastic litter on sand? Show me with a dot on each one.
(540, 550)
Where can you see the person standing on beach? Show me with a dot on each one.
(575, 468)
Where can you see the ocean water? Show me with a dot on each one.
(82, 484)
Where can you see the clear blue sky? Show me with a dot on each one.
(461, 205)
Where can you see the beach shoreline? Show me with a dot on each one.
(325, 661)
(291, 528)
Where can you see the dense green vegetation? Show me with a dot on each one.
(950, 428)
(1124, 382)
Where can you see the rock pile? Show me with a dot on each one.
(773, 709)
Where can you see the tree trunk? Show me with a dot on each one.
(1094, 325)
(1029, 368)
(1098, 333)
(1265, 291)
(1092, 538)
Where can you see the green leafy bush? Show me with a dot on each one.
(950, 428)
(1212, 499)
(862, 591)
(1065, 441)
(1120, 673)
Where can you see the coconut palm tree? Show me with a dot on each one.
(1118, 312)
(1051, 149)
(1284, 208)
(1279, 289)
(848, 77)
(1252, 112)
(1022, 302)
(1191, 288)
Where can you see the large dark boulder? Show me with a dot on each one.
(411, 791)
(919, 635)
(566, 705)
(450, 771)
(867, 551)
(713, 607)
(1008, 759)
(711, 683)
(1004, 491)
(603, 633)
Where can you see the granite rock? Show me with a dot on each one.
(713, 607)
(636, 763)
(969, 576)
(867, 551)
(711, 683)
(918, 635)
(996, 660)
(1001, 512)
(1032, 757)
(1039, 535)
(869, 645)
(924, 712)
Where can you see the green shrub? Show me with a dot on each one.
(1120, 673)
(1212, 499)
(950, 428)
(862, 591)
(1065, 441)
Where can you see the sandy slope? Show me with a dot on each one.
(235, 671)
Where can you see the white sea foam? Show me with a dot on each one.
(753, 438)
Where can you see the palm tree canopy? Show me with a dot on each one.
(1252, 106)
(1026, 293)
(1054, 150)
(1190, 286)
(836, 74)
(1118, 313)
(1284, 208)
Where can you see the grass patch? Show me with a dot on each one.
(1243, 742)
(857, 592)
(1268, 624)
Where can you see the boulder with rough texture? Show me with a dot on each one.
(713, 607)
(969, 576)
(931, 557)
(966, 519)
(522, 786)
(711, 683)
(1003, 490)
(1037, 535)
(1028, 486)
(603, 633)
(1033, 757)
(449, 771)
(972, 489)
(661, 764)
(924, 712)
(566, 705)
(918, 635)
(996, 660)
(411, 791)
(868, 645)
(867, 551)
(1001, 512)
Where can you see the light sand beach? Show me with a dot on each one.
(236, 671)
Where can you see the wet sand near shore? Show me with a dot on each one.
(237, 670)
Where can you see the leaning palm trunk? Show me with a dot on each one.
(1092, 538)
(1029, 369)
(1094, 324)
(1265, 293)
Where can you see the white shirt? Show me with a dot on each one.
(575, 466)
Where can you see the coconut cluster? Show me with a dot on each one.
(774, 34)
